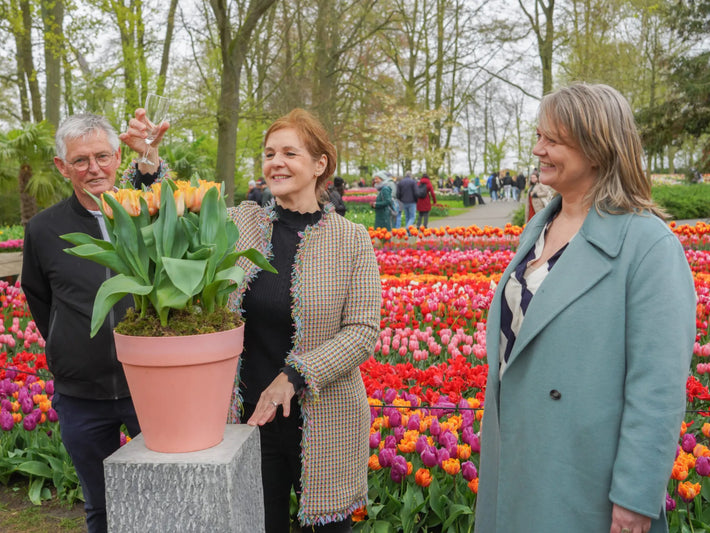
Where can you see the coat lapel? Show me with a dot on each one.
(585, 262)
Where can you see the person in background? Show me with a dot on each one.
(507, 186)
(308, 329)
(397, 207)
(407, 194)
(424, 204)
(336, 191)
(539, 195)
(519, 186)
(254, 193)
(494, 186)
(91, 395)
(382, 203)
(474, 191)
(587, 368)
(265, 192)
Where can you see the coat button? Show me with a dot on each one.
(555, 394)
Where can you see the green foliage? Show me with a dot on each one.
(519, 216)
(684, 201)
(10, 208)
(40, 456)
(11, 232)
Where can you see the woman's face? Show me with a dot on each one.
(290, 171)
(563, 167)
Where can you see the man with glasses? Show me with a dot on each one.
(91, 395)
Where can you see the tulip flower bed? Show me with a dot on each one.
(425, 383)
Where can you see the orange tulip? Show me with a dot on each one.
(359, 514)
(374, 463)
(451, 466)
(463, 451)
(423, 477)
(473, 485)
(688, 490)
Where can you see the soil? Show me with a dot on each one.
(19, 515)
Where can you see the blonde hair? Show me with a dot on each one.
(597, 120)
(314, 137)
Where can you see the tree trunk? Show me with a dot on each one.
(28, 204)
(53, 18)
(165, 60)
(28, 62)
(234, 50)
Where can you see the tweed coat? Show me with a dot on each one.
(336, 294)
(588, 411)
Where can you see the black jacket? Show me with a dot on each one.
(60, 291)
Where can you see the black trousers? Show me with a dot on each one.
(90, 432)
(281, 471)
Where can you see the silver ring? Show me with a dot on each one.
(276, 404)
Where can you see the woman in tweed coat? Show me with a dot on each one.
(308, 328)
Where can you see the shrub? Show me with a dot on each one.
(684, 201)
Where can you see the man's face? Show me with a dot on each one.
(95, 150)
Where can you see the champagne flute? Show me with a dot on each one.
(156, 111)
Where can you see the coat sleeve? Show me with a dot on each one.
(359, 323)
(384, 198)
(660, 331)
(35, 284)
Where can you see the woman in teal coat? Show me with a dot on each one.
(590, 336)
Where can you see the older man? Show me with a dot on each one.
(91, 395)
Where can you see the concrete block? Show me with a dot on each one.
(213, 490)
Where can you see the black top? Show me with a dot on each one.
(269, 330)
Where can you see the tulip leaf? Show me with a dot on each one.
(35, 468)
(107, 258)
(186, 274)
(454, 512)
(127, 238)
(110, 292)
(258, 259)
(83, 238)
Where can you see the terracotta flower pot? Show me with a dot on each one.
(181, 386)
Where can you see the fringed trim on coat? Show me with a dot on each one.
(266, 217)
(327, 519)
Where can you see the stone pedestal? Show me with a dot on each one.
(213, 490)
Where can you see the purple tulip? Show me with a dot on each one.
(31, 420)
(52, 415)
(27, 405)
(390, 442)
(688, 442)
(414, 422)
(385, 456)
(468, 471)
(469, 437)
(49, 387)
(395, 418)
(375, 439)
(446, 439)
(435, 428)
(670, 503)
(429, 457)
(390, 395)
(442, 455)
(399, 433)
(6, 420)
(422, 444)
(6, 404)
(702, 465)
(377, 394)
(35, 388)
(399, 469)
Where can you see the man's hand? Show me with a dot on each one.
(136, 134)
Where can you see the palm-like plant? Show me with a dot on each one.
(27, 153)
(188, 159)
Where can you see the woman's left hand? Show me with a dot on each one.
(279, 392)
(625, 521)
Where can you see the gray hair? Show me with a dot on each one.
(82, 125)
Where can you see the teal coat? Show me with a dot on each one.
(588, 412)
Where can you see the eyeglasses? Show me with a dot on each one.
(82, 164)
